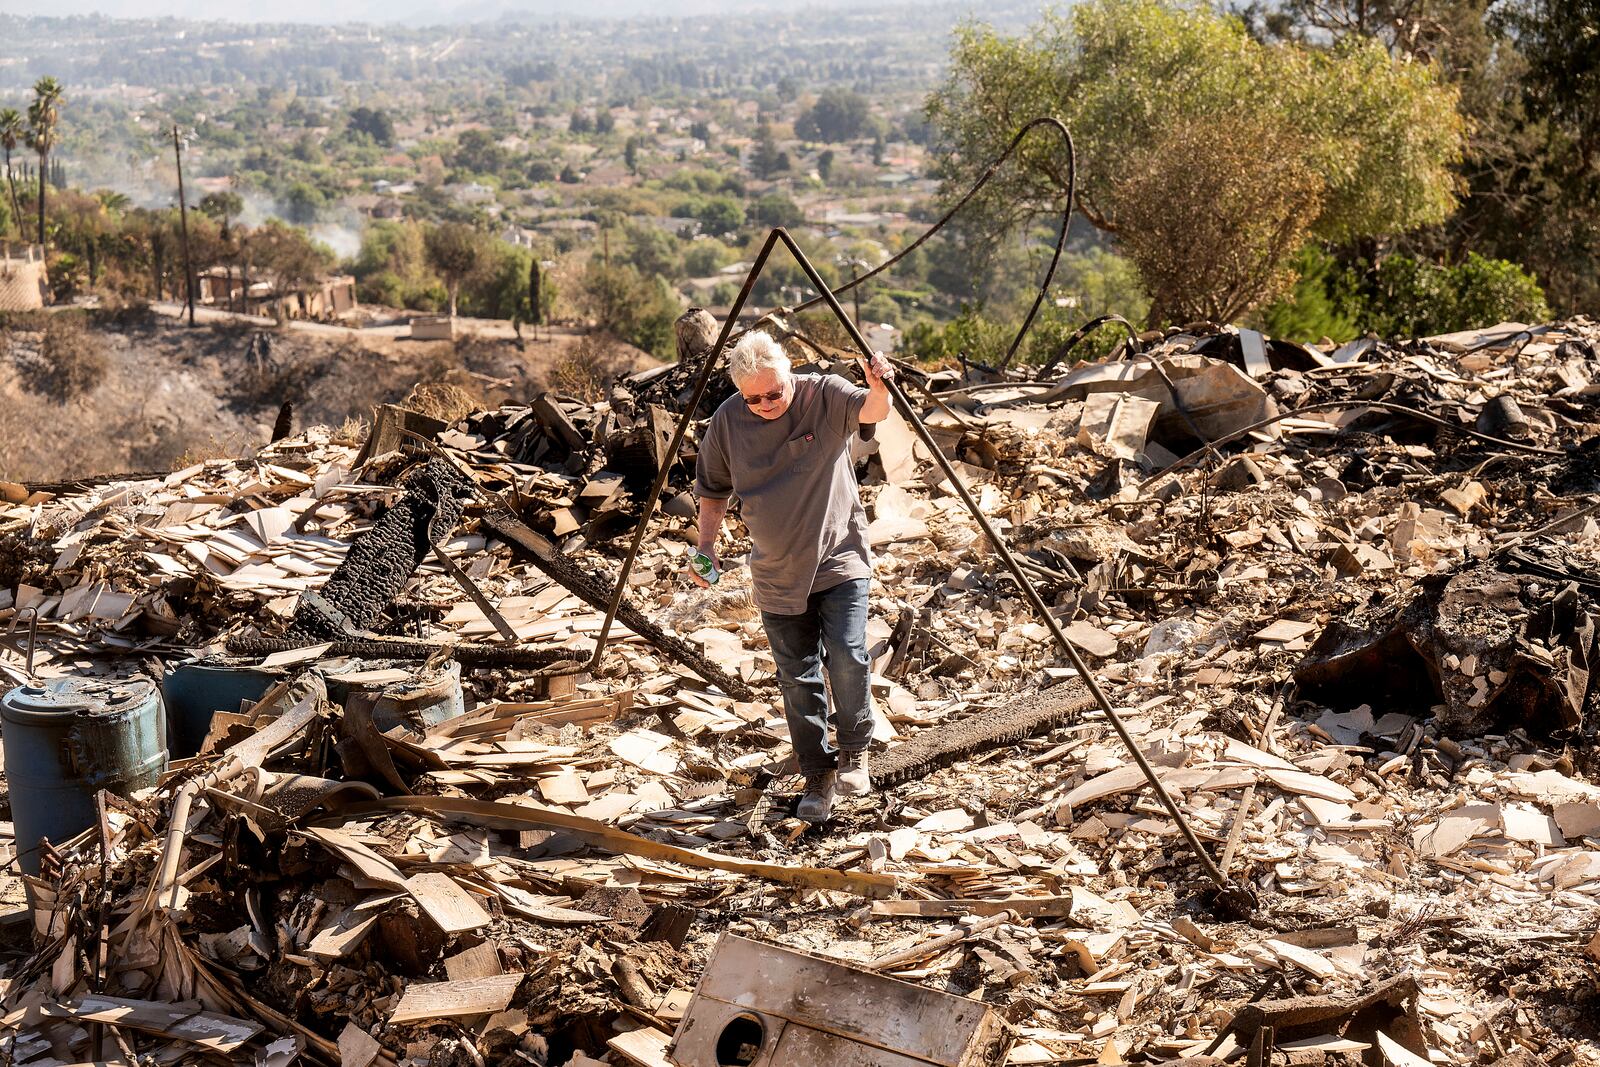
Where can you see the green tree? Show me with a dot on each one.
(825, 164)
(500, 286)
(651, 250)
(775, 209)
(838, 115)
(82, 226)
(638, 309)
(458, 252)
(1367, 142)
(477, 151)
(392, 268)
(289, 255)
(719, 215)
(44, 115)
(223, 207)
(374, 123)
(1325, 301)
(1409, 297)
(705, 257)
(765, 160)
(303, 202)
(12, 133)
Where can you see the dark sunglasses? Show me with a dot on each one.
(764, 398)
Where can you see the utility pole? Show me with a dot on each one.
(183, 220)
(855, 290)
(855, 265)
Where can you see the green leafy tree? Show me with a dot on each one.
(775, 209)
(477, 151)
(1408, 297)
(303, 202)
(12, 134)
(289, 255)
(500, 287)
(719, 215)
(705, 257)
(82, 226)
(458, 252)
(765, 160)
(638, 309)
(1403, 296)
(1325, 301)
(392, 268)
(374, 123)
(44, 116)
(825, 164)
(838, 115)
(1367, 143)
(652, 250)
(224, 207)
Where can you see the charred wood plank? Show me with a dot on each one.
(942, 745)
(382, 560)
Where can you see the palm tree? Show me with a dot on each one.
(11, 135)
(43, 115)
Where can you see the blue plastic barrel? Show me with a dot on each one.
(67, 739)
(197, 689)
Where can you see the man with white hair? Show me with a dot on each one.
(783, 445)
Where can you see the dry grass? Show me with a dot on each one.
(352, 431)
(442, 400)
(587, 370)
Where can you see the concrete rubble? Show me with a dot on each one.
(1345, 600)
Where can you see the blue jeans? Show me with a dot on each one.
(833, 631)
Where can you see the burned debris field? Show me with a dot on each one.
(373, 798)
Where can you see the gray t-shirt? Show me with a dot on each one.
(796, 486)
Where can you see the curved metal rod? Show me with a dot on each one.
(1084, 331)
(989, 172)
(744, 295)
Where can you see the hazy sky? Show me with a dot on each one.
(416, 11)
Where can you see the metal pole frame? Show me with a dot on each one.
(1231, 897)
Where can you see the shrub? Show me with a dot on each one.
(1402, 297)
(1409, 297)
(1325, 301)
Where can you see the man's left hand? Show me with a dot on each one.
(879, 369)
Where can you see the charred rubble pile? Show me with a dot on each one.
(310, 756)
